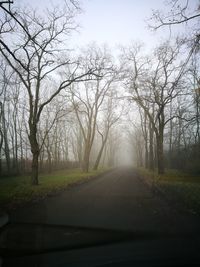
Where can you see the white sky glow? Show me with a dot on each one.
(111, 21)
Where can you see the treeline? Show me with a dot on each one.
(75, 130)
(165, 86)
(62, 107)
(168, 100)
(56, 102)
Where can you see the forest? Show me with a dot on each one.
(90, 108)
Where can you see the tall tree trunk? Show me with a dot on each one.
(15, 138)
(160, 153)
(85, 162)
(34, 170)
(151, 154)
(16, 151)
(49, 161)
(22, 160)
(146, 141)
(146, 154)
(170, 153)
(35, 154)
(41, 160)
(86, 158)
(96, 165)
(104, 140)
(6, 145)
(79, 147)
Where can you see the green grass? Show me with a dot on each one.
(17, 190)
(182, 188)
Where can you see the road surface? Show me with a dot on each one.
(115, 200)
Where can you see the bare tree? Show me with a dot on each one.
(112, 113)
(153, 86)
(36, 58)
(195, 83)
(6, 75)
(176, 12)
(88, 98)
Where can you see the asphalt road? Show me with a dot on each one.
(116, 200)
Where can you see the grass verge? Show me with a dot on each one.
(180, 188)
(15, 191)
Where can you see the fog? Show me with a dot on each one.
(90, 85)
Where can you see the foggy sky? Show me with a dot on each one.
(112, 21)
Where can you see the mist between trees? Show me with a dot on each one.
(61, 108)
